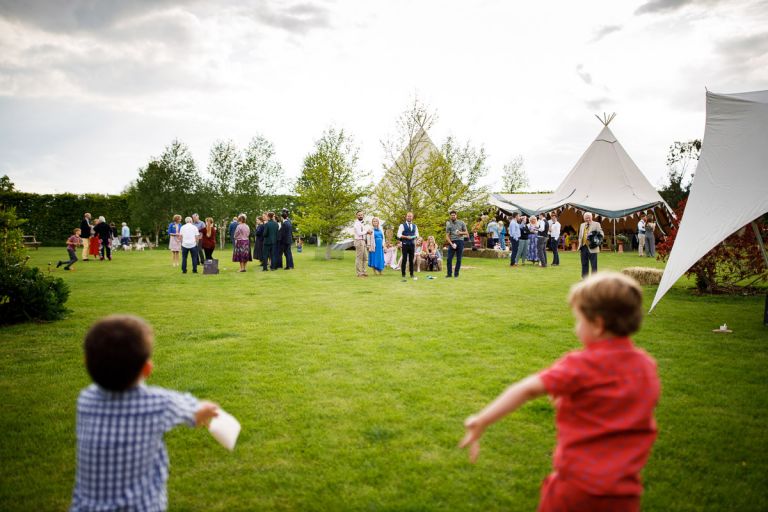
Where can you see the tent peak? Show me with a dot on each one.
(606, 119)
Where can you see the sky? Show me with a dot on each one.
(90, 90)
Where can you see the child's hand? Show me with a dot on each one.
(474, 431)
(205, 413)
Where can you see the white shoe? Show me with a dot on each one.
(415, 278)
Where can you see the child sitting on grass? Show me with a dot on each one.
(604, 396)
(122, 462)
(72, 242)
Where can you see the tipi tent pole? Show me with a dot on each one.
(614, 236)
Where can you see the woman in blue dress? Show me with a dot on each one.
(376, 247)
(533, 227)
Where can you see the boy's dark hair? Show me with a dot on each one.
(614, 297)
(514, 215)
(116, 349)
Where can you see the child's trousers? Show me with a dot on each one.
(558, 495)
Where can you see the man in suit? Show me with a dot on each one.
(285, 237)
(270, 243)
(588, 255)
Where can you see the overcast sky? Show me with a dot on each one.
(90, 90)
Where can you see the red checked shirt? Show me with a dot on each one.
(605, 396)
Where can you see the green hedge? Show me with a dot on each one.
(52, 217)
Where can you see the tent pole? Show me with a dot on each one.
(614, 236)
(760, 242)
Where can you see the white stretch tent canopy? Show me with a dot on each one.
(730, 188)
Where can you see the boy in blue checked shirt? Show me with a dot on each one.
(122, 462)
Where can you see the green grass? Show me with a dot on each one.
(352, 392)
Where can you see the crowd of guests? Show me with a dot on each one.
(272, 241)
(374, 251)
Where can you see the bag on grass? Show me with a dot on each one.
(211, 267)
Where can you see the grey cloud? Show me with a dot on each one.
(597, 104)
(298, 18)
(79, 15)
(584, 75)
(745, 57)
(654, 6)
(604, 31)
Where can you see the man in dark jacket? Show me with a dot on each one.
(270, 243)
(285, 237)
(85, 234)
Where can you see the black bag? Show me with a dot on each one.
(211, 267)
(595, 239)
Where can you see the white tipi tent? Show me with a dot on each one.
(604, 181)
(730, 188)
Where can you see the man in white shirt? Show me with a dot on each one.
(407, 233)
(361, 255)
(189, 237)
(554, 239)
(641, 235)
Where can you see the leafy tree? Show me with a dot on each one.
(407, 158)
(680, 158)
(730, 266)
(6, 185)
(514, 178)
(26, 293)
(329, 187)
(168, 185)
(451, 182)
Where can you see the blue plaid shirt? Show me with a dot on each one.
(122, 462)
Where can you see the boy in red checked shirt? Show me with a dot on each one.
(604, 396)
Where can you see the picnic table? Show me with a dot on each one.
(31, 241)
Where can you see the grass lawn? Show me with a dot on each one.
(352, 392)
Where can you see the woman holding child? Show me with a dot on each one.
(174, 239)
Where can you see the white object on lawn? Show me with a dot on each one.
(225, 428)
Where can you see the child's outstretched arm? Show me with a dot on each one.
(516, 395)
(205, 413)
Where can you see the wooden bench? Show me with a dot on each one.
(31, 241)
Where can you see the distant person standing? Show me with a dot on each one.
(361, 253)
(104, 232)
(455, 231)
(241, 253)
(189, 238)
(258, 237)
(493, 233)
(641, 235)
(589, 253)
(522, 249)
(376, 247)
(502, 236)
(407, 233)
(285, 239)
(125, 235)
(554, 240)
(232, 227)
(270, 243)
(208, 237)
(650, 236)
(514, 240)
(85, 234)
(199, 224)
(174, 239)
(543, 240)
